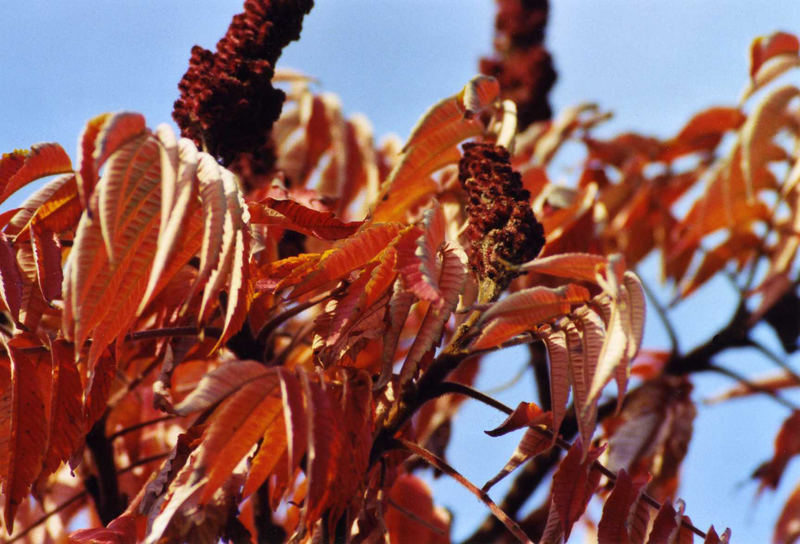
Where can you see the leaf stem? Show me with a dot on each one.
(452, 387)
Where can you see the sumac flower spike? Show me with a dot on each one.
(502, 230)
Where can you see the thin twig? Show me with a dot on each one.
(214, 332)
(754, 387)
(138, 426)
(44, 517)
(662, 315)
(775, 358)
(413, 517)
(509, 383)
(453, 387)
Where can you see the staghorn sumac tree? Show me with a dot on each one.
(261, 330)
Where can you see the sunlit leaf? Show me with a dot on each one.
(758, 131)
(95, 283)
(55, 207)
(525, 310)
(349, 255)
(293, 216)
(238, 423)
(10, 278)
(432, 145)
(524, 415)
(47, 256)
(765, 48)
(576, 266)
(65, 432)
(558, 359)
(100, 138)
(19, 168)
(450, 282)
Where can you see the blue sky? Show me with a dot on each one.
(652, 63)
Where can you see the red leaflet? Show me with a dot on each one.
(293, 216)
(574, 483)
(28, 432)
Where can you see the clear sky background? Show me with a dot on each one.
(653, 63)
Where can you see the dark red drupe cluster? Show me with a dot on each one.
(523, 65)
(227, 103)
(502, 228)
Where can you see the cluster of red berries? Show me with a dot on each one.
(227, 103)
(502, 229)
(523, 66)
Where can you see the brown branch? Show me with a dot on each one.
(138, 426)
(44, 517)
(80, 495)
(733, 335)
(147, 334)
(103, 486)
(486, 531)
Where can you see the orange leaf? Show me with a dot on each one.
(352, 253)
(558, 355)
(19, 168)
(10, 278)
(236, 426)
(218, 384)
(767, 119)
(55, 207)
(101, 378)
(239, 287)
(703, 132)
(97, 282)
(214, 205)
(291, 215)
(525, 310)
(418, 261)
(764, 48)
(787, 528)
(99, 139)
(582, 365)
(178, 205)
(28, 435)
(326, 446)
(736, 246)
(524, 415)
(450, 281)
(432, 145)
(576, 266)
(47, 256)
(65, 419)
(532, 444)
(411, 515)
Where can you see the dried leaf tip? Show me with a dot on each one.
(502, 228)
